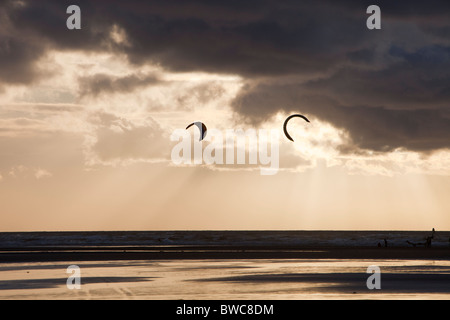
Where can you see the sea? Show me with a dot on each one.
(217, 238)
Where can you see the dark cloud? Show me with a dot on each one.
(405, 105)
(420, 79)
(103, 83)
(16, 60)
(245, 37)
(370, 127)
(389, 88)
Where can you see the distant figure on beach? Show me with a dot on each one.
(428, 241)
(385, 243)
(432, 233)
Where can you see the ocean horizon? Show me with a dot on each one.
(304, 238)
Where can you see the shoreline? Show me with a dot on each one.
(89, 253)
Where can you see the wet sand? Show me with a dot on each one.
(224, 273)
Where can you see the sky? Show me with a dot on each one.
(88, 116)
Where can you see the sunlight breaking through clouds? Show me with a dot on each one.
(126, 114)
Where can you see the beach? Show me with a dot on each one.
(224, 272)
(224, 150)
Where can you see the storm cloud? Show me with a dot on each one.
(102, 83)
(388, 88)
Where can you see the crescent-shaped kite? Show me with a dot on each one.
(201, 126)
(286, 122)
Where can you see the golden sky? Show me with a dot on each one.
(85, 130)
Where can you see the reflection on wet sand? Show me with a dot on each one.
(228, 279)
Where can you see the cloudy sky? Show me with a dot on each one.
(86, 116)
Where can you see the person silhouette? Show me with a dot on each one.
(428, 241)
